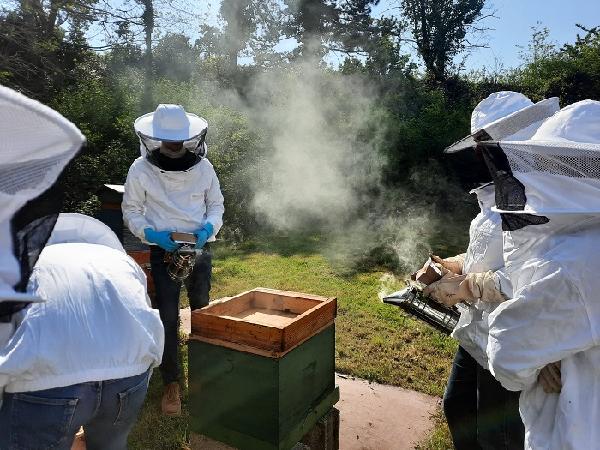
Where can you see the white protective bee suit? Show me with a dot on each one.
(483, 254)
(96, 322)
(180, 200)
(176, 201)
(550, 198)
(36, 143)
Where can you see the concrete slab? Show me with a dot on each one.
(375, 416)
(379, 417)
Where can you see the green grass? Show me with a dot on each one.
(440, 438)
(374, 341)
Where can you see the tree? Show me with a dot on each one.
(249, 25)
(570, 72)
(240, 24)
(174, 57)
(41, 43)
(345, 26)
(440, 29)
(310, 22)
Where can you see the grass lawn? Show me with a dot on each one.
(373, 340)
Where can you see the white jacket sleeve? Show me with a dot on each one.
(133, 205)
(545, 321)
(214, 204)
(503, 283)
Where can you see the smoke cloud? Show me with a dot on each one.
(320, 164)
(323, 170)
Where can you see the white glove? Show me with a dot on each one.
(453, 264)
(453, 289)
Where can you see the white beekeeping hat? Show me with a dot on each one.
(504, 115)
(36, 143)
(171, 123)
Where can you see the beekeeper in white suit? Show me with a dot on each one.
(549, 195)
(77, 349)
(36, 144)
(173, 187)
(480, 413)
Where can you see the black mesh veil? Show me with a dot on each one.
(510, 192)
(31, 227)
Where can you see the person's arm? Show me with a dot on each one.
(214, 204)
(546, 321)
(133, 204)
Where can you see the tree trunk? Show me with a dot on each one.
(148, 19)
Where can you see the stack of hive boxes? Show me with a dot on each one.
(261, 368)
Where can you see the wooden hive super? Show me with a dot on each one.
(261, 367)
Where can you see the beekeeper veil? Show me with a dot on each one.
(501, 115)
(550, 183)
(557, 171)
(171, 123)
(36, 143)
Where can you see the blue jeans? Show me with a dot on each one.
(46, 419)
(481, 414)
(167, 302)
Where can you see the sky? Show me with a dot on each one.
(513, 22)
(510, 28)
(515, 19)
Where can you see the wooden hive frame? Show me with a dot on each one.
(263, 321)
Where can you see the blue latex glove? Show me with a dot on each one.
(161, 238)
(203, 234)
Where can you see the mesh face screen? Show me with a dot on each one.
(578, 163)
(31, 227)
(30, 174)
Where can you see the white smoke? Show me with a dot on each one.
(320, 162)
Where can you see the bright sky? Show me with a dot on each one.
(513, 25)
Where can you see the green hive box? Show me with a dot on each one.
(257, 379)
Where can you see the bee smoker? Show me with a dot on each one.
(181, 261)
(412, 300)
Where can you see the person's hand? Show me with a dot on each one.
(450, 289)
(453, 264)
(550, 379)
(203, 234)
(160, 238)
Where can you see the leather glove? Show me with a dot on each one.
(452, 288)
(203, 234)
(160, 238)
(550, 378)
(453, 264)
